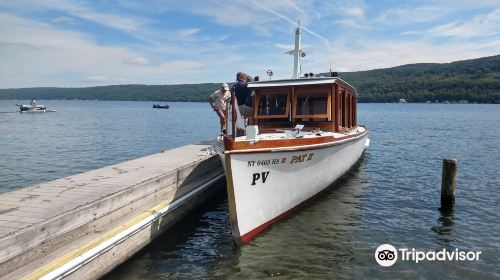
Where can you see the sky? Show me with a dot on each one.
(73, 43)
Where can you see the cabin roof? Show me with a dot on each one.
(300, 82)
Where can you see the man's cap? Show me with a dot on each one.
(225, 86)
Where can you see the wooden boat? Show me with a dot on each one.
(161, 106)
(304, 137)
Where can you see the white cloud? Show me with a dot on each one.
(355, 11)
(64, 19)
(410, 32)
(359, 24)
(96, 79)
(128, 23)
(264, 17)
(189, 32)
(138, 61)
(480, 26)
(37, 54)
(375, 55)
(285, 46)
(421, 14)
(345, 13)
(43, 54)
(483, 25)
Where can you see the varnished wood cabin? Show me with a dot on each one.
(320, 103)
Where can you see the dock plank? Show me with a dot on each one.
(58, 194)
(24, 219)
(13, 224)
(41, 213)
(6, 230)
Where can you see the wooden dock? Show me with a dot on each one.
(84, 225)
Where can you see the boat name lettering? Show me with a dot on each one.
(263, 162)
(295, 159)
(258, 176)
(301, 158)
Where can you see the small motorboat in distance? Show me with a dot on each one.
(161, 106)
(303, 137)
(34, 108)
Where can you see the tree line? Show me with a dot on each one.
(475, 80)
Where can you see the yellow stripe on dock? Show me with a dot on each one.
(82, 249)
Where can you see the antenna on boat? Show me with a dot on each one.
(296, 52)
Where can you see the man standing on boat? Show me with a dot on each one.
(218, 101)
(243, 95)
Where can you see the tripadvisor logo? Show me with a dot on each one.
(387, 255)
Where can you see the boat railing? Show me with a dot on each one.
(233, 114)
(226, 119)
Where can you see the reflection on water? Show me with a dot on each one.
(444, 227)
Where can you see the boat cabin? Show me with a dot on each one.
(328, 104)
(325, 104)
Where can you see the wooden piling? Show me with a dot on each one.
(448, 182)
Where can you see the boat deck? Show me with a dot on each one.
(290, 134)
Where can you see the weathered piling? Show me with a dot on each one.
(448, 182)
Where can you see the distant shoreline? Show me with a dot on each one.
(202, 101)
(468, 81)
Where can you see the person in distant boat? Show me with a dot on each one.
(218, 101)
(33, 102)
(243, 95)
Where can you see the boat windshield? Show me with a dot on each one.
(312, 105)
(273, 104)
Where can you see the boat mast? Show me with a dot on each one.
(296, 53)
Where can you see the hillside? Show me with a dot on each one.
(475, 80)
(183, 92)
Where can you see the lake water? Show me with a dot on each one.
(391, 196)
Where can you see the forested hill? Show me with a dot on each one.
(184, 92)
(476, 80)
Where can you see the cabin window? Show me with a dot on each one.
(312, 104)
(272, 104)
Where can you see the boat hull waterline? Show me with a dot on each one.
(34, 109)
(37, 111)
(265, 186)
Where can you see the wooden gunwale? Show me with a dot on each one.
(267, 146)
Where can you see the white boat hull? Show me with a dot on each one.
(264, 186)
